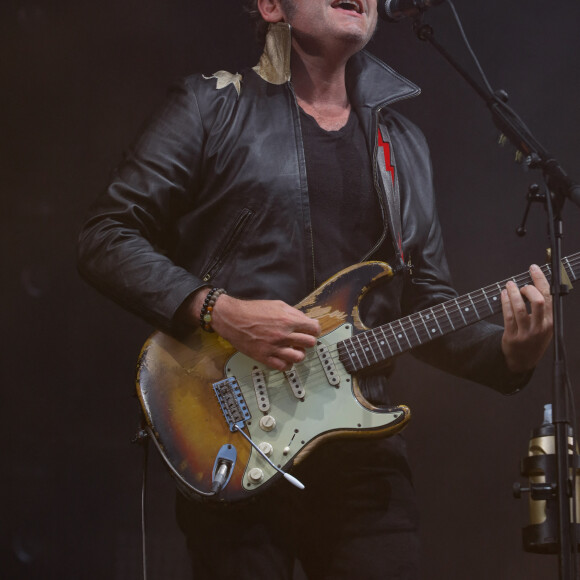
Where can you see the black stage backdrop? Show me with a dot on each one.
(78, 80)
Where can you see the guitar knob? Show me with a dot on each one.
(255, 475)
(267, 423)
(266, 448)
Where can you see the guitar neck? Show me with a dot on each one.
(373, 347)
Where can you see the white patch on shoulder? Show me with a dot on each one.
(225, 78)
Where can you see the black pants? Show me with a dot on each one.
(356, 519)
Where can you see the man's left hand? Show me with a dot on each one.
(526, 335)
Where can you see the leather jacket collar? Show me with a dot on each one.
(371, 83)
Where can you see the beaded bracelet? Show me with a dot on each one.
(205, 316)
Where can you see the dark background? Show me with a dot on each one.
(78, 80)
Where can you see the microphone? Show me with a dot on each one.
(395, 10)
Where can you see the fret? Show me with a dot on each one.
(359, 364)
(370, 347)
(377, 350)
(402, 334)
(420, 328)
(382, 329)
(449, 317)
(467, 311)
(474, 307)
(497, 300)
(460, 312)
(345, 350)
(362, 348)
(574, 273)
(454, 314)
(433, 329)
(380, 343)
(419, 341)
(570, 270)
(436, 321)
(441, 319)
(425, 325)
(492, 311)
(390, 327)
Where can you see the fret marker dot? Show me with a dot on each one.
(433, 331)
(467, 309)
(400, 335)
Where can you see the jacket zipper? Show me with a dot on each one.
(228, 245)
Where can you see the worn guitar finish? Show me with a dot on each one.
(197, 391)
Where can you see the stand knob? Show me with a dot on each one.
(517, 490)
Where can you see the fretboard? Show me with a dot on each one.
(373, 347)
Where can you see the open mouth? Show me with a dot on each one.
(349, 5)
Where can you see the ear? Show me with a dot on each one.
(271, 10)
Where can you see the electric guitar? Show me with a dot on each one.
(228, 427)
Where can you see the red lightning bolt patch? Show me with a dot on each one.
(387, 151)
(390, 168)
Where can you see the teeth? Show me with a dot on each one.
(349, 3)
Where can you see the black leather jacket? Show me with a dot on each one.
(215, 192)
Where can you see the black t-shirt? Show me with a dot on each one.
(344, 207)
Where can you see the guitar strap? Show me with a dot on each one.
(390, 183)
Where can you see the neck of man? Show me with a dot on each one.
(320, 86)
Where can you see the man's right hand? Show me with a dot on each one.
(269, 331)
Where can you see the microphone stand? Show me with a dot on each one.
(561, 188)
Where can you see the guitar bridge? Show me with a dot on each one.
(232, 403)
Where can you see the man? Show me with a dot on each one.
(265, 184)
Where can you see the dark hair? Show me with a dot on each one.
(260, 25)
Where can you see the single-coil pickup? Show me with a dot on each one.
(295, 383)
(261, 390)
(328, 365)
(232, 403)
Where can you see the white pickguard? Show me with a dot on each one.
(323, 408)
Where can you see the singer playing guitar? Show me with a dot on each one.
(242, 196)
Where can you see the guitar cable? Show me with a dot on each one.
(142, 438)
(143, 510)
(286, 475)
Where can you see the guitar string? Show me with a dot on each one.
(441, 312)
(277, 380)
(450, 312)
(411, 322)
(445, 311)
(279, 384)
(407, 324)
